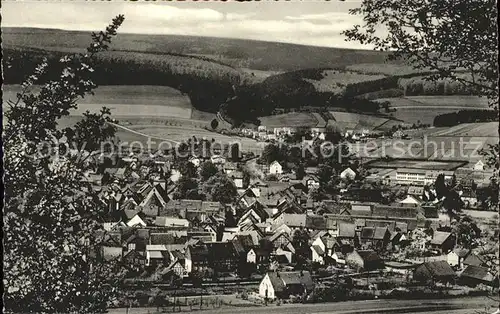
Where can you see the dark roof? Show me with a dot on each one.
(198, 253)
(162, 238)
(477, 272)
(297, 278)
(315, 222)
(439, 269)
(367, 233)
(440, 237)
(474, 259)
(395, 211)
(369, 256)
(276, 281)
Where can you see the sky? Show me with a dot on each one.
(308, 22)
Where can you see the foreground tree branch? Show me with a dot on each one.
(50, 214)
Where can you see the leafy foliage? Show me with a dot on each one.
(50, 215)
(220, 188)
(207, 170)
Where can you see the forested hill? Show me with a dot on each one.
(239, 53)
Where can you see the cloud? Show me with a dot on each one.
(239, 16)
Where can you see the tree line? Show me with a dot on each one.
(465, 116)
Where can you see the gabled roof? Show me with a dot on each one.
(318, 250)
(440, 237)
(276, 282)
(477, 272)
(277, 235)
(439, 269)
(294, 220)
(369, 256)
(474, 259)
(346, 230)
(380, 233)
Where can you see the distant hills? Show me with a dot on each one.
(253, 54)
(218, 73)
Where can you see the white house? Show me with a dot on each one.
(453, 259)
(275, 168)
(281, 284)
(348, 174)
(410, 200)
(163, 221)
(136, 221)
(318, 249)
(479, 165)
(262, 128)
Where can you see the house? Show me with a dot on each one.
(196, 258)
(257, 256)
(280, 239)
(474, 260)
(375, 237)
(410, 200)
(318, 254)
(136, 220)
(280, 285)
(402, 268)
(111, 247)
(473, 275)
(443, 242)
(456, 257)
(162, 221)
(134, 259)
(348, 174)
(364, 260)
(275, 168)
(156, 258)
(479, 166)
(437, 271)
(311, 181)
(237, 177)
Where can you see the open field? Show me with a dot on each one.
(425, 108)
(293, 119)
(480, 129)
(431, 148)
(356, 121)
(182, 133)
(384, 68)
(131, 101)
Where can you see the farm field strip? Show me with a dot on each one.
(289, 119)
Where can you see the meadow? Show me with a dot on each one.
(412, 109)
(293, 119)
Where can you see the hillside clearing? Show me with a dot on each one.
(293, 119)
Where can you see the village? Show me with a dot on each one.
(264, 224)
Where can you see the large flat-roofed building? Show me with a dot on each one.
(420, 177)
(411, 176)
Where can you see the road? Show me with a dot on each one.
(466, 305)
